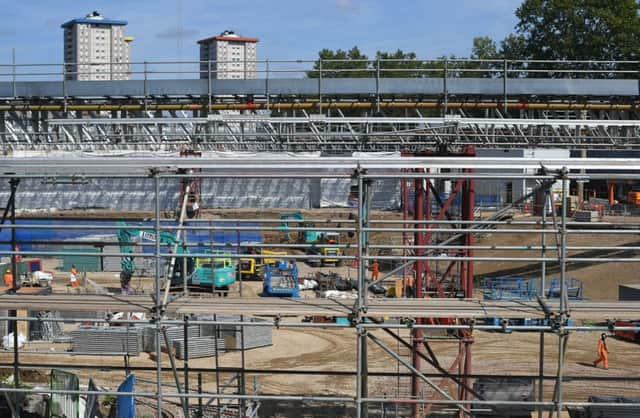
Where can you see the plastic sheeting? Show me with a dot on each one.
(385, 193)
(225, 193)
(60, 233)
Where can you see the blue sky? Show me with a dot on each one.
(288, 29)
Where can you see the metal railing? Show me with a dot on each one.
(320, 68)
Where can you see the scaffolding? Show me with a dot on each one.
(434, 238)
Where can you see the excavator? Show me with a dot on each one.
(212, 273)
(327, 254)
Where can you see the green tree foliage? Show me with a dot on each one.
(572, 30)
(484, 48)
(399, 64)
(392, 64)
(578, 30)
(352, 63)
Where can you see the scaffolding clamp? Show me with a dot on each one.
(408, 322)
(504, 323)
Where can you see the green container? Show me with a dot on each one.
(83, 263)
(22, 267)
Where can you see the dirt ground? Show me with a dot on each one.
(335, 350)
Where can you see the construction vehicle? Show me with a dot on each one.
(281, 280)
(631, 336)
(327, 254)
(271, 261)
(303, 236)
(36, 278)
(214, 273)
(285, 219)
(250, 269)
(209, 271)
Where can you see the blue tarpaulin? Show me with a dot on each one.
(25, 236)
(126, 403)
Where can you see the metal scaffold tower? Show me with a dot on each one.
(444, 301)
(167, 131)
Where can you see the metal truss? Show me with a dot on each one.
(311, 133)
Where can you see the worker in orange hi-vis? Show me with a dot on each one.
(8, 278)
(408, 292)
(603, 353)
(375, 270)
(73, 277)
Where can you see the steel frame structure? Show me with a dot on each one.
(320, 133)
(156, 112)
(364, 311)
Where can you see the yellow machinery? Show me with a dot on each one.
(330, 254)
(251, 268)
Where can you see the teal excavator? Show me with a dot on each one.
(215, 273)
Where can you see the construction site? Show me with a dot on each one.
(453, 245)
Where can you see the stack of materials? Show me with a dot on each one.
(199, 347)
(587, 216)
(614, 411)
(512, 389)
(254, 336)
(107, 340)
(173, 333)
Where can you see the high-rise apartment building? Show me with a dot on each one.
(232, 56)
(96, 48)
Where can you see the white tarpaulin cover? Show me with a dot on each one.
(137, 193)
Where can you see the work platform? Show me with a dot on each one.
(398, 308)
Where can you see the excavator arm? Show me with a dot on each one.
(128, 237)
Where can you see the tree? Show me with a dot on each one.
(399, 64)
(353, 61)
(577, 30)
(484, 48)
(513, 47)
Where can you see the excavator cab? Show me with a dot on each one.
(330, 254)
(176, 277)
